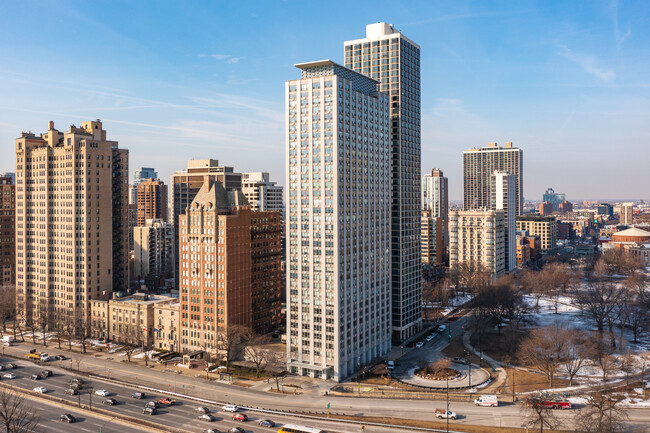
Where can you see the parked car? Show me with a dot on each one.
(202, 409)
(46, 358)
(149, 410)
(66, 417)
(40, 389)
(138, 395)
(206, 417)
(419, 344)
(102, 393)
(239, 417)
(71, 391)
(109, 401)
(166, 401)
(46, 373)
(390, 365)
(60, 358)
(442, 328)
(267, 423)
(230, 408)
(9, 376)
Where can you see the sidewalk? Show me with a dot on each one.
(496, 366)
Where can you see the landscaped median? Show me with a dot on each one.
(96, 412)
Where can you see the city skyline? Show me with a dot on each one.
(561, 81)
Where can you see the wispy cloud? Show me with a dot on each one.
(227, 58)
(588, 63)
(620, 38)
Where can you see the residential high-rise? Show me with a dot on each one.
(435, 198)
(433, 249)
(478, 166)
(185, 184)
(338, 221)
(477, 241)
(538, 225)
(267, 284)
(7, 231)
(261, 193)
(142, 174)
(71, 224)
(215, 272)
(627, 213)
(393, 60)
(504, 199)
(152, 201)
(606, 209)
(554, 198)
(153, 251)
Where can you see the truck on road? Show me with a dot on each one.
(8, 339)
(444, 414)
(549, 401)
(35, 356)
(487, 400)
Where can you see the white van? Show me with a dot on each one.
(391, 365)
(487, 400)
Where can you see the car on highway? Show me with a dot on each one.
(109, 401)
(66, 417)
(239, 417)
(149, 410)
(138, 395)
(267, 423)
(166, 401)
(211, 430)
(230, 408)
(60, 358)
(71, 391)
(10, 366)
(202, 409)
(206, 417)
(429, 338)
(9, 376)
(40, 389)
(419, 344)
(441, 328)
(102, 393)
(46, 373)
(236, 430)
(35, 377)
(2, 367)
(46, 358)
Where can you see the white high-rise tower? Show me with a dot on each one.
(338, 221)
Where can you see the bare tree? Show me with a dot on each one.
(16, 413)
(256, 352)
(544, 349)
(81, 328)
(602, 355)
(638, 318)
(31, 326)
(69, 326)
(599, 302)
(229, 343)
(7, 306)
(59, 329)
(576, 352)
(129, 339)
(602, 413)
(536, 414)
(43, 321)
(617, 261)
(637, 283)
(276, 366)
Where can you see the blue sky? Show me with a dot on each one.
(566, 81)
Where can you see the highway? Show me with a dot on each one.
(504, 415)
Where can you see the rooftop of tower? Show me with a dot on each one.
(378, 31)
(321, 68)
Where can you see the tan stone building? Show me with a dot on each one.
(167, 322)
(477, 240)
(215, 266)
(130, 319)
(152, 201)
(543, 226)
(71, 221)
(7, 231)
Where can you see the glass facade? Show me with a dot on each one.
(394, 61)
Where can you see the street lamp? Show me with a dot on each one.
(107, 422)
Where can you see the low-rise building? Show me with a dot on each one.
(166, 331)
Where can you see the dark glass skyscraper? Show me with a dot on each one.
(394, 61)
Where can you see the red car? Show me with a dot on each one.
(239, 417)
(167, 401)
